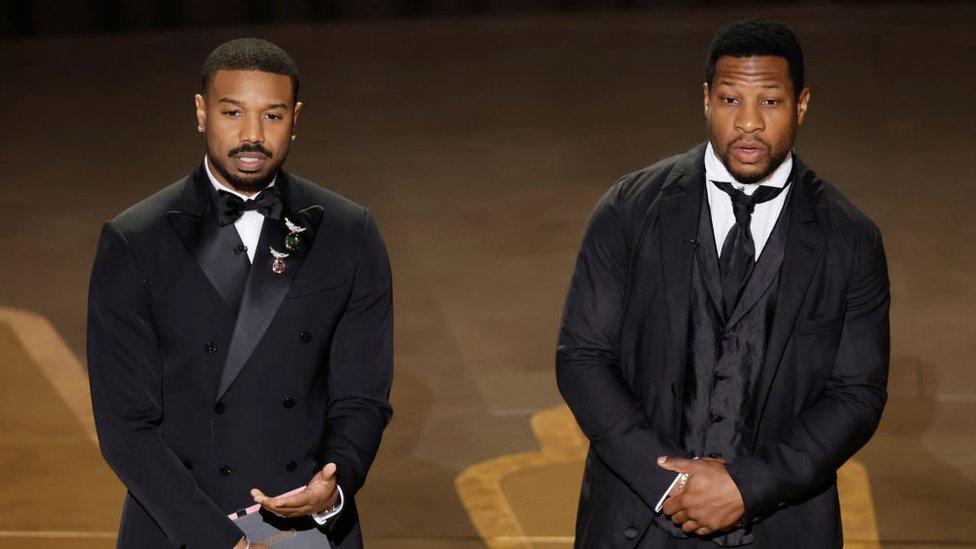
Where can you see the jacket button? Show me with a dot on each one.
(305, 336)
(630, 532)
(292, 465)
(224, 471)
(219, 408)
(717, 419)
(210, 348)
(288, 403)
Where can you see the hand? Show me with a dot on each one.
(710, 502)
(319, 495)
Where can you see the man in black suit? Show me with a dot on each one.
(240, 330)
(727, 305)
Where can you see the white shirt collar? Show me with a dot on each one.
(715, 170)
(221, 187)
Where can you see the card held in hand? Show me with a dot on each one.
(262, 526)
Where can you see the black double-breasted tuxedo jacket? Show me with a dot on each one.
(205, 385)
(621, 357)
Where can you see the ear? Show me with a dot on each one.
(801, 106)
(201, 108)
(295, 115)
(705, 99)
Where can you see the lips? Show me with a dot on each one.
(749, 153)
(250, 162)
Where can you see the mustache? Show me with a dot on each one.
(250, 147)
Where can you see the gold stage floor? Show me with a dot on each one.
(481, 146)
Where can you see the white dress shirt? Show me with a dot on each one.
(249, 228)
(764, 215)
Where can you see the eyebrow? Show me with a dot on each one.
(239, 104)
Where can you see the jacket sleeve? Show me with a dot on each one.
(836, 426)
(588, 370)
(361, 367)
(125, 373)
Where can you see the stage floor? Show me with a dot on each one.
(481, 146)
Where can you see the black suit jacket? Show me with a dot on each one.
(195, 403)
(620, 362)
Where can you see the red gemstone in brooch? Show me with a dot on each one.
(278, 265)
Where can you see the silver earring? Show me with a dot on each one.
(200, 129)
(293, 137)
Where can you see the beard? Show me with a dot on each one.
(775, 160)
(248, 183)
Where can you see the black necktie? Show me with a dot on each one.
(231, 207)
(739, 251)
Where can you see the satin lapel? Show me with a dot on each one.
(707, 253)
(215, 249)
(764, 273)
(266, 289)
(804, 248)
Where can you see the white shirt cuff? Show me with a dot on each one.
(322, 518)
(664, 496)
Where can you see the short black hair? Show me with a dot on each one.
(250, 54)
(752, 37)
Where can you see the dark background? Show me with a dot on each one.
(31, 18)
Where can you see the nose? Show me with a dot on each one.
(749, 119)
(251, 130)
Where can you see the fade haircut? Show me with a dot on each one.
(249, 54)
(756, 37)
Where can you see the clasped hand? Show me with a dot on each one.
(710, 501)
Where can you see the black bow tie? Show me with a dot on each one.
(231, 207)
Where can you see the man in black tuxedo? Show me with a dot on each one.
(728, 305)
(240, 330)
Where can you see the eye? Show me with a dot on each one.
(770, 102)
(730, 101)
(272, 116)
(232, 113)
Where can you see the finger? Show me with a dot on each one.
(679, 517)
(268, 504)
(258, 495)
(290, 512)
(303, 498)
(690, 526)
(677, 464)
(329, 470)
(672, 505)
(296, 511)
(704, 530)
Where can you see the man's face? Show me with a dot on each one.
(249, 118)
(752, 114)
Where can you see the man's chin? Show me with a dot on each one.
(750, 177)
(749, 173)
(250, 182)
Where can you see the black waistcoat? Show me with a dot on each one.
(725, 355)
